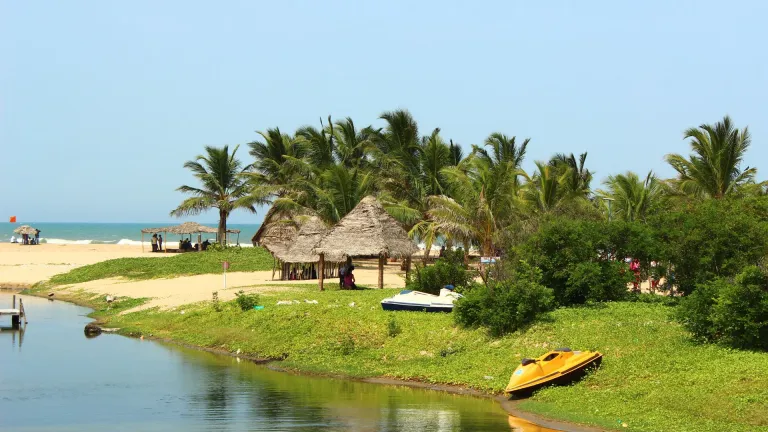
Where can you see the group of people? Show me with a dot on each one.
(157, 242)
(25, 239)
(184, 244)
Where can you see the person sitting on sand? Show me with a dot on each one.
(206, 243)
(349, 278)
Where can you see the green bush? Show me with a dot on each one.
(246, 301)
(505, 306)
(393, 328)
(714, 238)
(584, 260)
(448, 270)
(215, 302)
(731, 312)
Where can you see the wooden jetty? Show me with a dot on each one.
(16, 314)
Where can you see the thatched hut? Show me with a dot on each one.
(277, 232)
(185, 228)
(300, 261)
(26, 232)
(367, 231)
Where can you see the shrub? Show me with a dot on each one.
(731, 312)
(712, 238)
(505, 306)
(584, 260)
(215, 302)
(246, 301)
(449, 270)
(393, 328)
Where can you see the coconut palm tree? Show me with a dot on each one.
(278, 160)
(714, 168)
(505, 157)
(633, 198)
(353, 147)
(577, 178)
(481, 204)
(224, 187)
(544, 191)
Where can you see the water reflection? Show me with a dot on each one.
(117, 383)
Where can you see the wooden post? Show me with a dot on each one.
(142, 242)
(382, 258)
(22, 311)
(14, 302)
(322, 270)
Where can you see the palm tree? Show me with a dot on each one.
(353, 147)
(577, 178)
(277, 162)
(505, 157)
(481, 204)
(544, 191)
(224, 187)
(714, 168)
(633, 198)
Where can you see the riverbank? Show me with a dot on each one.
(653, 378)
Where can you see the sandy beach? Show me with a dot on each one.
(25, 265)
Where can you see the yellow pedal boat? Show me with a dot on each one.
(555, 367)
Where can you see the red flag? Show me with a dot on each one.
(13, 219)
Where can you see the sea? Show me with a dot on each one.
(113, 233)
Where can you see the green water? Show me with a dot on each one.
(54, 379)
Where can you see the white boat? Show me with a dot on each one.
(409, 300)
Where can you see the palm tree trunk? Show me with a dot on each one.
(222, 228)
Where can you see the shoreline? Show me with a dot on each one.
(509, 406)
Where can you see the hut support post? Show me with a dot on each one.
(321, 264)
(382, 258)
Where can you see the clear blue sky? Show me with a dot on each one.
(102, 102)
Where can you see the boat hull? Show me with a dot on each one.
(572, 375)
(415, 307)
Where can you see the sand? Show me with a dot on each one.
(26, 265)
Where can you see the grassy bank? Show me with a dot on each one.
(186, 264)
(652, 378)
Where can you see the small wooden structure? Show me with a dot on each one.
(185, 228)
(366, 231)
(15, 314)
(300, 261)
(27, 232)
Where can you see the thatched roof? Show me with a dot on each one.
(302, 248)
(187, 228)
(277, 232)
(25, 229)
(367, 231)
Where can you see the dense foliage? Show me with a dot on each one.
(584, 260)
(712, 238)
(447, 270)
(504, 306)
(732, 311)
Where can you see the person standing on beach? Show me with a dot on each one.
(154, 242)
(37, 237)
(160, 243)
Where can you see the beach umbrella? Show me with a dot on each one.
(25, 229)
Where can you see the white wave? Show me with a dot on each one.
(63, 241)
(129, 242)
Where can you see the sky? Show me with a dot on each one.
(101, 103)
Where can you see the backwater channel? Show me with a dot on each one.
(53, 378)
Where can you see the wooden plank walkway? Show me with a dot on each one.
(15, 314)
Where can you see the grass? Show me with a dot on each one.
(652, 378)
(186, 264)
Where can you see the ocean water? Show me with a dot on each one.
(112, 233)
